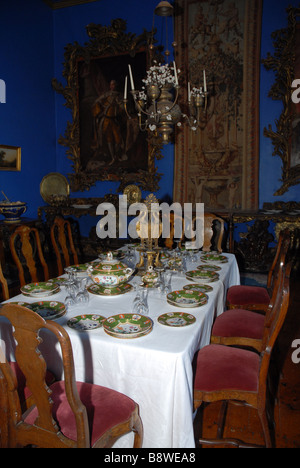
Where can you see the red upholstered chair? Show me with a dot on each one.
(241, 327)
(235, 375)
(255, 297)
(67, 414)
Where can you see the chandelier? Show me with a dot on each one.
(157, 104)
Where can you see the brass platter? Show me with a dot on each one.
(54, 183)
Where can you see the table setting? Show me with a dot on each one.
(137, 333)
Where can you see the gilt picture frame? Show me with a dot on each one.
(103, 142)
(285, 134)
(10, 158)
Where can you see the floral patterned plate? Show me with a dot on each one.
(59, 281)
(213, 257)
(176, 319)
(186, 298)
(201, 276)
(86, 322)
(40, 289)
(209, 267)
(205, 288)
(100, 290)
(48, 310)
(81, 269)
(128, 325)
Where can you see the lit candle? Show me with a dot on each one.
(204, 81)
(131, 78)
(125, 89)
(175, 73)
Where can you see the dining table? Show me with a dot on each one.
(153, 368)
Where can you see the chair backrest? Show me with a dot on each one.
(63, 244)
(284, 241)
(4, 285)
(176, 225)
(27, 325)
(27, 253)
(213, 232)
(271, 332)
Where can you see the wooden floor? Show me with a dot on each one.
(243, 423)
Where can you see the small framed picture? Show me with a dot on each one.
(10, 158)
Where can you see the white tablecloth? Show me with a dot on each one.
(154, 370)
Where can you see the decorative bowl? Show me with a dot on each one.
(150, 277)
(110, 272)
(12, 211)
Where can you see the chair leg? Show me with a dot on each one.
(268, 426)
(222, 419)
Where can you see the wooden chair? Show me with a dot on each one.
(213, 226)
(235, 375)
(241, 327)
(178, 221)
(63, 244)
(256, 297)
(5, 290)
(213, 232)
(26, 250)
(60, 418)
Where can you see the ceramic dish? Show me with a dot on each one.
(86, 322)
(48, 310)
(40, 289)
(99, 290)
(81, 269)
(128, 325)
(205, 288)
(186, 298)
(176, 319)
(212, 257)
(208, 267)
(201, 276)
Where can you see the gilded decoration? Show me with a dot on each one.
(218, 164)
(102, 143)
(285, 63)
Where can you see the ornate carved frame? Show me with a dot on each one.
(105, 41)
(283, 64)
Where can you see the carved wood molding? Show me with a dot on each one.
(282, 63)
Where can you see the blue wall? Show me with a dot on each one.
(32, 41)
(27, 119)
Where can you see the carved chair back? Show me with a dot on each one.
(27, 253)
(4, 285)
(284, 241)
(27, 325)
(63, 244)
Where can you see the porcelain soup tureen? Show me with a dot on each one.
(110, 272)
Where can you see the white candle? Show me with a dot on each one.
(204, 81)
(131, 78)
(189, 91)
(175, 73)
(125, 89)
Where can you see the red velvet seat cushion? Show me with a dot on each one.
(24, 391)
(226, 368)
(239, 322)
(242, 295)
(105, 409)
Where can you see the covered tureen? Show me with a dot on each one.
(110, 272)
